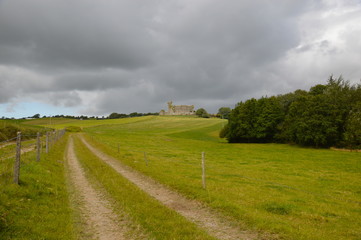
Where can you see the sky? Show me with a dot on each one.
(91, 57)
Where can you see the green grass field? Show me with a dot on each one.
(296, 192)
(60, 123)
(158, 221)
(37, 208)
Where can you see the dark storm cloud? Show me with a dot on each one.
(217, 46)
(125, 55)
(16, 81)
(62, 98)
(74, 34)
(99, 80)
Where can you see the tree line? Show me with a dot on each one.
(326, 115)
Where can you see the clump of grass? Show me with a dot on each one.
(278, 208)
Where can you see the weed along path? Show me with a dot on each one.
(99, 220)
(195, 212)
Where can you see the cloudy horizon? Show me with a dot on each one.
(89, 57)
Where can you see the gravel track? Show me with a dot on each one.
(100, 220)
(194, 211)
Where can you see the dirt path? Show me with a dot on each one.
(204, 217)
(7, 144)
(101, 222)
(27, 149)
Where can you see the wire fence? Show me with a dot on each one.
(14, 152)
(150, 158)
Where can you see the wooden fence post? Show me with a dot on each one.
(17, 159)
(203, 170)
(38, 146)
(145, 158)
(52, 138)
(47, 142)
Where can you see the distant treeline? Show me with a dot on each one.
(134, 114)
(82, 117)
(326, 115)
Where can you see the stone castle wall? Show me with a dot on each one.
(178, 110)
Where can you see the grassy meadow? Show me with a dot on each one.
(61, 123)
(37, 208)
(294, 192)
(298, 193)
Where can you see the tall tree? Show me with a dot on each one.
(224, 112)
(201, 112)
(353, 127)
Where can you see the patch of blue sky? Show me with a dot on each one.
(29, 109)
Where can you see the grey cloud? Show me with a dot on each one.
(125, 56)
(92, 81)
(75, 34)
(17, 82)
(218, 45)
(61, 98)
(134, 99)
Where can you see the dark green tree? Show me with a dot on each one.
(327, 115)
(270, 115)
(255, 121)
(318, 118)
(113, 115)
(353, 127)
(224, 112)
(241, 122)
(201, 112)
(310, 123)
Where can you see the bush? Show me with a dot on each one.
(73, 129)
(202, 113)
(224, 131)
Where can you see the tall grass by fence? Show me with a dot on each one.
(13, 150)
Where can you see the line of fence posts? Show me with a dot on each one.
(51, 138)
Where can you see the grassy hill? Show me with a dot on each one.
(9, 129)
(299, 193)
(60, 123)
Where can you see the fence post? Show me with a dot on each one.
(17, 159)
(47, 142)
(38, 147)
(145, 158)
(203, 170)
(52, 139)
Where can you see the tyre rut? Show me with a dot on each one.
(99, 219)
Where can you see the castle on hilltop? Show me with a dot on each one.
(178, 110)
